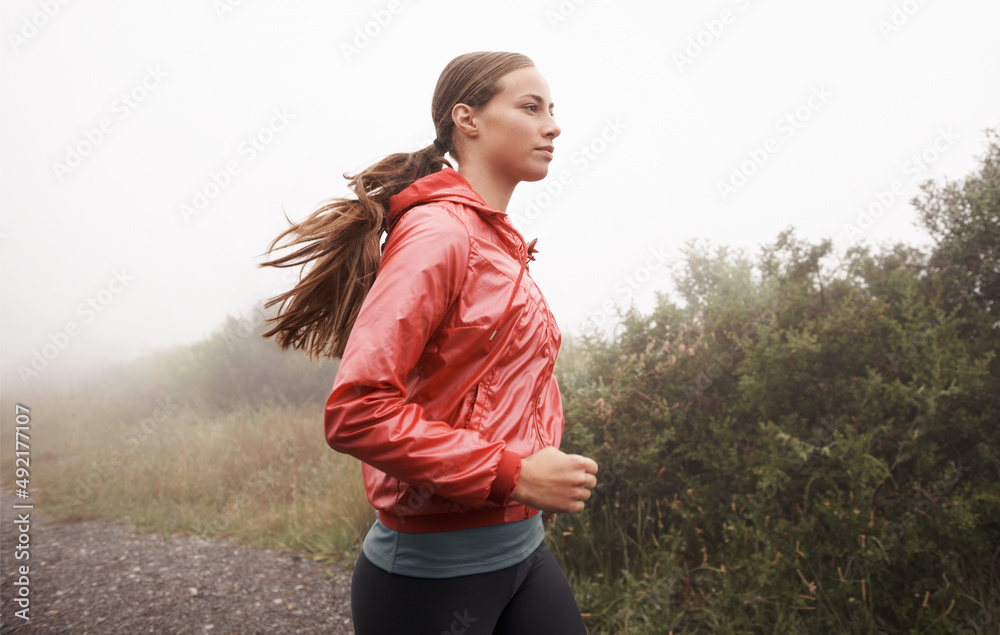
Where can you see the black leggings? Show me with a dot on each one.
(527, 598)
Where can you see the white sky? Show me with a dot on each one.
(866, 97)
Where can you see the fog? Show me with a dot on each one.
(151, 150)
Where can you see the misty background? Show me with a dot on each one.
(150, 151)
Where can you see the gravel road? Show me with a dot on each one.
(103, 577)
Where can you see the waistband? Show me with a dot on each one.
(456, 520)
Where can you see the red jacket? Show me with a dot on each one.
(446, 381)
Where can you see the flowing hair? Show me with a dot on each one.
(339, 241)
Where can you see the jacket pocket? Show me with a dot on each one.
(536, 416)
(470, 407)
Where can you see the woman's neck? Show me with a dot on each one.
(494, 191)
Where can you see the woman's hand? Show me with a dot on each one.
(554, 481)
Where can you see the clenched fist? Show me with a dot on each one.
(554, 481)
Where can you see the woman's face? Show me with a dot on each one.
(516, 128)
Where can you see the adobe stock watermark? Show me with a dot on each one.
(608, 475)
(989, 613)
(460, 624)
(710, 32)
(787, 126)
(223, 8)
(581, 159)
(246, 327)
(88, 310)
(820, 442)
(876, 555)
(416, 495)
(911, 347)
(909, 353)
(251, 325)
(625, 288)
(723, 363)
(133, 438)
(246, 153)
(562, 12)
(366, 33)
(122, 107)
(915, 169)
(262, 480)
(898, 17)
(32, 25)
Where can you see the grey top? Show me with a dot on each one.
(447, 554)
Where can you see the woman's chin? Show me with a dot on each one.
(536, 174)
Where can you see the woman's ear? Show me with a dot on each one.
(464, 118)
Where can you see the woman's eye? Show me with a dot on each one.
(532, 107)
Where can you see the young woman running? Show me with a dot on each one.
(445, 389)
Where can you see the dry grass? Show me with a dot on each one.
(263, 477)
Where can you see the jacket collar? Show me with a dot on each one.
(445, 185)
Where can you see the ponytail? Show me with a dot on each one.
(341, 239)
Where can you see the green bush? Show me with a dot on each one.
(801, 443)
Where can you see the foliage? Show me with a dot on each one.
(802, 443)
(964, 220)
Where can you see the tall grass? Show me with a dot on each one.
(635, 594)
(262, 475)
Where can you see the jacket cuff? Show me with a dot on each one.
(506, 479)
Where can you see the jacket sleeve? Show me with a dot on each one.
(368, 414)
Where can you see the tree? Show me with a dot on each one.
(963, 217)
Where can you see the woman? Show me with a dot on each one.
(445, 389)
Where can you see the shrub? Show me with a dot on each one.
(804, 443)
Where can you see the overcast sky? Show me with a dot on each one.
(150, 150)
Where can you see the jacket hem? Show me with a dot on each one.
(453, 521)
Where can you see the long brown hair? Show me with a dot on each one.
(341, 238)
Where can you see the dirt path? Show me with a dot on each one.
(102, 577)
